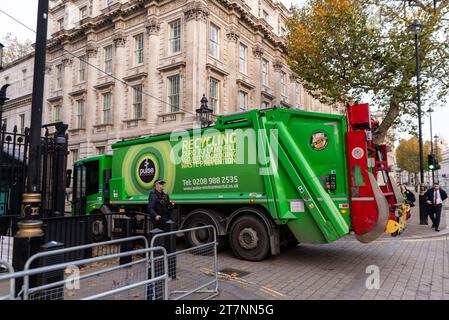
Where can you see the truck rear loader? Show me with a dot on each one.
(262, 178)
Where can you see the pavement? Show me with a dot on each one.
(414, 265)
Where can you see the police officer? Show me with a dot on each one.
(159, 205)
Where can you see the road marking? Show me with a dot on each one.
(427, 239)
(245, 283)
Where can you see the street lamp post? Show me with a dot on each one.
(30, 225)
(436, 158)
(204, 113)
(431, 144)
(416, 27)
(29, 236)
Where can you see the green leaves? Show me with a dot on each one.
(343, 49)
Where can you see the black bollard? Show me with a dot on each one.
(55, 293)
(27, 242)
(170, 246)
(125, 223)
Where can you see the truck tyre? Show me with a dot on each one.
(98, 227)
(203, 236)
(249, 238)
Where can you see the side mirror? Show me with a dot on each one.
(68, 179)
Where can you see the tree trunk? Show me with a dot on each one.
(387, 122)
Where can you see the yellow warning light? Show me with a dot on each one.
(252, 200)
(94, 207)
(344, 211)
(392, 227)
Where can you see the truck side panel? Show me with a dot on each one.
(307, 189)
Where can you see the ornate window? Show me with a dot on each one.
(59, 76)
(107, 102)
(138, 49)
(173, 92)
(243, 58)
(80, 114)
(82, 69)
(175, 36)
(137, 101)
(214, 48)
(214, 94)
(265, 72)
(83, 12)
(283, 84)
(57, 113)
(243, 101)
(108, 59)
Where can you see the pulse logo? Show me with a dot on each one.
(147, 170)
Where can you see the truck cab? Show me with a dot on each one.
(91, 184)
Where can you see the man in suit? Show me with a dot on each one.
(434, 198)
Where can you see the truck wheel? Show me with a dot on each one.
(99, 227)
(249, 239)
(199, 237)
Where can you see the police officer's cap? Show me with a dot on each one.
(159, 181)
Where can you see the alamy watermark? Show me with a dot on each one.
(373, 280)
(232, 146)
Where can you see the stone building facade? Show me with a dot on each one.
(129, 68)
(19, 76)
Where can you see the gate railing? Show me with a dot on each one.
(14, 149)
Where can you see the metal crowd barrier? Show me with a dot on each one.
(193, 271)
(122, 275)
(12, 282)
(149, 273)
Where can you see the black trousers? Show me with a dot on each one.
(161, 223)
(435, 215)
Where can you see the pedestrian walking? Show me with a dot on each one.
(159, 205)
(434, 198)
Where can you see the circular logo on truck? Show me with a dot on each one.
(357, 153)
(147, 170)
(319, 141)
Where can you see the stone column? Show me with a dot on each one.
(119, 91)
(67, 62)
(257, 69)
(90, 109)
(292, 93)
(277, 66)
(232, 36)
(153, 28)
(196, 16)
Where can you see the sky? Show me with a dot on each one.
(25, 11)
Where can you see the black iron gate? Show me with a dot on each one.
(14, 149)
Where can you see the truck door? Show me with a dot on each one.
(79, 190)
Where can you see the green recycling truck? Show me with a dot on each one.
(262, 178)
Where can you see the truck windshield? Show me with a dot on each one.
(92, 177)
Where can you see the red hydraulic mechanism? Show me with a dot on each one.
(377, 205)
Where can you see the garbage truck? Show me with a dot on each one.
(262, 178)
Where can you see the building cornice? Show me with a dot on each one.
(104, 85)
(216, 69)
(137, 76)
(172, 66)
(194, 10)
(17, 102)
